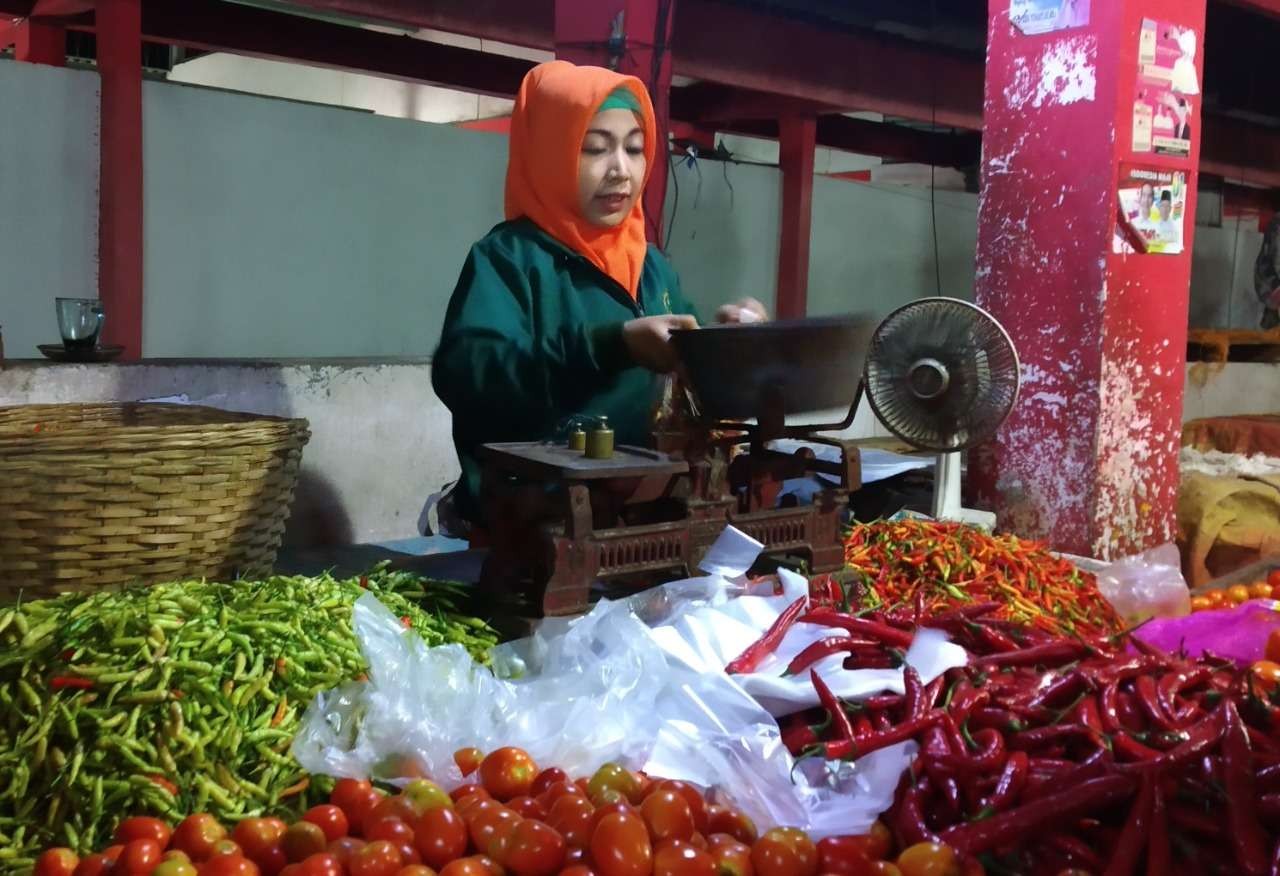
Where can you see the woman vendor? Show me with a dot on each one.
(564, 309)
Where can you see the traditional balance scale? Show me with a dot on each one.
(940, 373)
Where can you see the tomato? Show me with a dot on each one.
(678, 858)
(528, 807)
(667, 816)
(258, 836)
(197, 835)
(880, 841)
(441, 836)
(175, 855)
(1217, 597)
(735, 823)
(390, 807)
(929, 859)
(321, 864)
(549, 797)
(1274, 578)
(141, 827)
(785, 851)
(508, 773)
(844, 855)
(492, 829)
(1201, 603)
(460, 793)
(571, 816)
(423, 795)
(1264, 677)
(1259, 590)
(619, 808)
(344, 848)
(972, 867)
(226, 847)
(578, 870)
(94, 865)
(545, 779)
(302, 840)
(1237, 593)
(228, 865)
(466, 867)
(615, 778)
(415, 870)
(392, 830)
(378, 858)
(1273, 646)
(883, 868)
(468, 760)
(620, 847)
(732, 857)
(331, 820)
(174, 867)
(692, 796)
(534, 850)
(139, 858)
(409, 856)
(573, 857)
(56, 862)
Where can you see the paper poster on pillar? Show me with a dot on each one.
(1164, 108)
(1034, 17)
(1152, 210)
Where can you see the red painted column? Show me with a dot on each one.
(39, 42)
(1089, 459)
(797, 141)
(587, 32)
(120, 229)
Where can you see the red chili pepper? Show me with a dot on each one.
(1200, 738)
(1149, 699)
(1159, 853)
(989, 758)
(406, 621)
(1268, 779)
(1174, 683)
(1194, 821)
(1052, 654)
(1133, 839)
(1064, 774)
(1108, 707)
(1131, 748)
(751, 658)
(910, 822)
(1013, 778)
(1005, 828)
(1032, 740)
(914, 693)
(901, 733)
(1061, 691)
(824, 648)
(883, 633)
(1275, 860)
(75, 682)
(1247, 837)
(829, 701)
(863, 727)
(1089, 714)
(798, 737)
(994, 640)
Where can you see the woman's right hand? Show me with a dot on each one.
(648, 340)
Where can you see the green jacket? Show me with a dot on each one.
(533, 336)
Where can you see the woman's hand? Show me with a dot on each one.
(745, 310)
(648, 339)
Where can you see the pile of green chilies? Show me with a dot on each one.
(179, 698)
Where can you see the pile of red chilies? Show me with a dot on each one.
(1047, 754)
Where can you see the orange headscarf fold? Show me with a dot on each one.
(556, 103)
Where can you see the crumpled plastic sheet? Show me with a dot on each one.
(638, 681)
(1238, 633)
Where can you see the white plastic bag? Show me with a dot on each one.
(640, 682)
(1146, 585)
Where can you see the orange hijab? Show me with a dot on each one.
(557, 101)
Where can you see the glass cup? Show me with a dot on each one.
(80, 321)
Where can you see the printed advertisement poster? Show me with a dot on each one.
(1045, 16)
(1168, 87)
(1152, 210)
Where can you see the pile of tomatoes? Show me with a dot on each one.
(511, 819)
(1226, 597)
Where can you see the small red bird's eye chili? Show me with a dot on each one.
(72, 682)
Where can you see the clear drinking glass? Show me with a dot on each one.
(80, 321)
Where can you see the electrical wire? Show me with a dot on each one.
(674, 178)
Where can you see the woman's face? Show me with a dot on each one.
(611, 167)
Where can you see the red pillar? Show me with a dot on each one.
(36, 42)
(120, 231)
(1089, 459)
(797, 140)
(586, 32)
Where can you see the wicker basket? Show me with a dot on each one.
(100, 495)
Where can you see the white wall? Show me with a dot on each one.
(48, 198)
